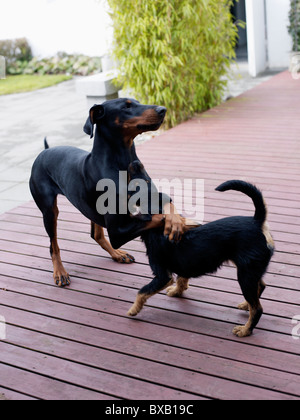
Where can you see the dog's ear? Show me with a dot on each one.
(96, 113)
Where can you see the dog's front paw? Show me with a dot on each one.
(61, 277)
(62, 280)
(122, 257)
(241, 331)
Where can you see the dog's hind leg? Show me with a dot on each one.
(256, 312)
(97, 233)
(46, 200)
(252, 287)
(155, 286)
(245, 305)
(182, 284)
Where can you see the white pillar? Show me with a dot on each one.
(279, 40)
(256, 36)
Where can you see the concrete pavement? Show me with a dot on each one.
(59, 113)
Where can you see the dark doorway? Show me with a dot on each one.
(238, 11)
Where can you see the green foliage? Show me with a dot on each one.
(62, 63)
(15, 50)
(294, 27)
(174, 52)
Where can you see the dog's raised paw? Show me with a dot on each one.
(132, 311)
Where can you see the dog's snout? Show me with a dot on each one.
(161, 110)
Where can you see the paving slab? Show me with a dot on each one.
(58, 112)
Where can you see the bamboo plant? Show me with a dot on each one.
(294, 27)
(174, 52)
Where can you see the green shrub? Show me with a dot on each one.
(15, 51)
(62, 63)
(294, 27)
(174, 52)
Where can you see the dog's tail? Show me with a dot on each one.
(46, 144)
(252, 192)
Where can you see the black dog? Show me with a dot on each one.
(75, 173)
(245, 241)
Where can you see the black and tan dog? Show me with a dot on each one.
(246, 241)
(75, 173)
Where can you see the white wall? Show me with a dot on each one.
(279, 40)
(74, 26)
(257, 53)
(269, 42)
(83, 26)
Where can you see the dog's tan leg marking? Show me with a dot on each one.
(268, 236)
(141, 299)
(182, 284)
(246, 330)
(244, 306)
(116, 254)
(61, 277)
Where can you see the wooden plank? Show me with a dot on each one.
(73, 242)
(235, 206)
(278, 228)
(77, 342)
(156, 336)
(217, 283)
(196, 317)
(280, 232)
(142, 270)
(289, 223)
(129, 288)
(138, 246)
(42, 387)
(81, 243)
(162, 364)
(70, 230)
(96, 379)
(7, 395)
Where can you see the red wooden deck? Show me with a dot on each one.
(78, 343)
